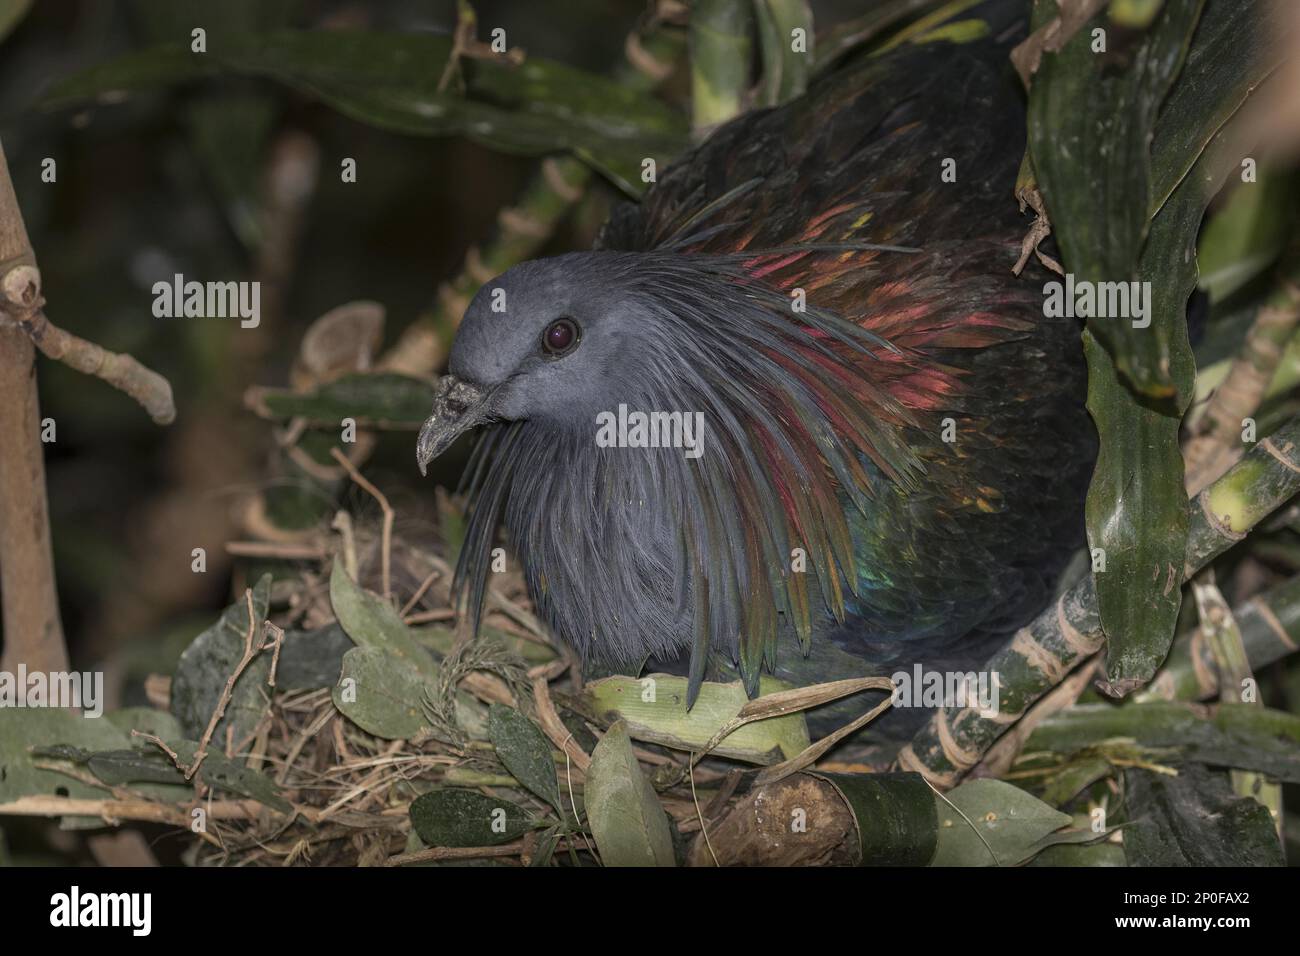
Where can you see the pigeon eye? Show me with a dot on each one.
(560, 337)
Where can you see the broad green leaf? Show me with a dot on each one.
(1091, 118)
(31, 734)
(1136, 508)
(1194, 819)
(896, 814)
(383, 400)
(459, 818)
(374, 625)
(525, 751)
(1229, 57)
(998, 825)
(1136, 514)
(383, 694)
(1068, 782)
(373, 622)
(224, 774)
(24, 727)
(391, 81)
(208, 663)
(116, 767)
(626, 818)
(653, 708)
(312, 659)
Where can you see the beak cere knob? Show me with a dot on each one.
(457, 407)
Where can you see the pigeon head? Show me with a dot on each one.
(543, 342)
(638, 546)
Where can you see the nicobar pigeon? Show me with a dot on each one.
(891, 474)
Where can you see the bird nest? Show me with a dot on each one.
(387, 735)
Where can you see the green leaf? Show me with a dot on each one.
(526, 753)
(1091, 118)
(24, 727)
(1071, 779)
(997, 817)
(383, 694)
(312, 659)
(1229, 57)
(117, 767)
(460, 818)
(11, 14)
(373, 622)
(653, 708)
(383, 400)
(1194, 819)
(1136, 508)
(221, 773)
(1136, 513)
(208, 663)
(626, 818)
(391, 81)
(397, 670)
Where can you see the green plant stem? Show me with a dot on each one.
(1270, 630)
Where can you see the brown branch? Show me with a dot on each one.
(114, 811)
(21, 300)
(559, 734)
(245, 659)
(457, 853)
(32, 629)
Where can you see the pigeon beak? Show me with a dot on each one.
(457, 407)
